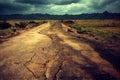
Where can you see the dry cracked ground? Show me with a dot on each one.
(50, 52)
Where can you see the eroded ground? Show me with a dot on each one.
(50, 52)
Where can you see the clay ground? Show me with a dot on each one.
(50, 52)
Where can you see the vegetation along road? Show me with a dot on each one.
(52, 51)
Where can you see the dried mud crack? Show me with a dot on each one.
(28, 67)
(51, 52)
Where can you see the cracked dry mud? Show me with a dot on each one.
(50, 52)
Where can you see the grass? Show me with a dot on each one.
(27, 25)
(98, 23)
(103, 28)
(107, 29)
(95, 31)
(5, 32)
(83, 29)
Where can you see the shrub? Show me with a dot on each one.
(32, 22)
(4, 25)
(69, 22)
(83, 29)
(21, 25)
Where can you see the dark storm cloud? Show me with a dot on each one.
(115, 7)
(33, 1)
(102, 3)
(107, 2)
(10, 7)
(59, 2)
(58, 6)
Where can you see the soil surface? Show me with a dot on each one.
(52, 51)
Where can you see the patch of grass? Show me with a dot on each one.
(105, 34)
(98, 23)
(95, 31)
(108, 35)
(5, 32)
(81, 29)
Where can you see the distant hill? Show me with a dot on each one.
(104, 15)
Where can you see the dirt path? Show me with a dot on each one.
(50, 52)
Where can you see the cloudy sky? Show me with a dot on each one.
(58, 7)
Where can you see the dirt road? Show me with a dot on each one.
(51, 52)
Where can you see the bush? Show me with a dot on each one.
(69, 22)
(4, 25)
(83, 29)
(32, 22)
(21, 25)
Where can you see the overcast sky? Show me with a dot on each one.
(58, 7)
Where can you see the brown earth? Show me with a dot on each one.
(52, 51)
